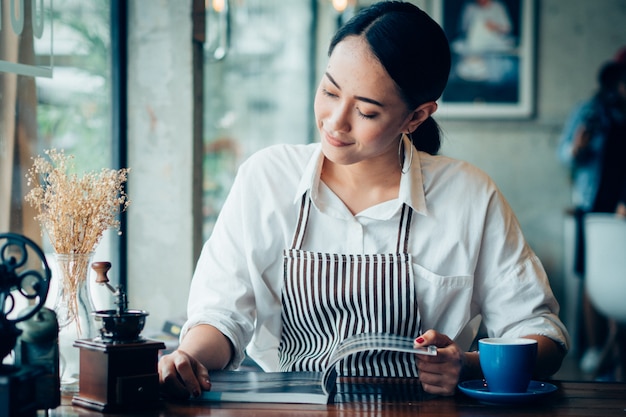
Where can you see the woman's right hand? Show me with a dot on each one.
(182, 376)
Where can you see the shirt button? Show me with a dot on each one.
(355, 237)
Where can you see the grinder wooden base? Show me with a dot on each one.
(118, 376)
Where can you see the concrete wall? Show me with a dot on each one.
(160, 154)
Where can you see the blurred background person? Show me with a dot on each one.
(593, 146)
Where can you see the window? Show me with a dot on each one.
(65, 106)
(258, 86)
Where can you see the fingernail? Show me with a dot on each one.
(419, 340)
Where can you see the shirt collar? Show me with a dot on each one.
(411, 183)
(311, 176)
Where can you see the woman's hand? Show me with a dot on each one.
(181, 375)
(184, 372)
(440, 374)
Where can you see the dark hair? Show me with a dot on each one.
(414, 51)
(611, 74)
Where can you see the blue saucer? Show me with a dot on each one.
(478, 389)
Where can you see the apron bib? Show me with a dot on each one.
(327, 297)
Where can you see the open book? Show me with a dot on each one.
(302, 387)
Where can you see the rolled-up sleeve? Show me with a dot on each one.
(511, 283)
(221, 293)
(237, 283)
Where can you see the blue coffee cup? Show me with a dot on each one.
(507, 363)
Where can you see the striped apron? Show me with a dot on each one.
(327, 297)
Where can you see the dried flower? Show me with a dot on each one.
(75, 211)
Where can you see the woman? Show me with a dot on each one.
(368, 230)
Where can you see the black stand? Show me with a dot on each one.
(17, 390)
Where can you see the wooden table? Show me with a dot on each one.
(590, 399)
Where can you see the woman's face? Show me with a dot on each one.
(358, 110)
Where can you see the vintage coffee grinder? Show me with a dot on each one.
(31, 383)
(118, 368)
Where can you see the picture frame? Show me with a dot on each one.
(493, 58)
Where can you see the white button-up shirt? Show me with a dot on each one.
(470, 258)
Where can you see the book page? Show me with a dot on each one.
(259, 386)
(366, 342)
(303, 387)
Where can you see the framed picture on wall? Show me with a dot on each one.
(492, 47)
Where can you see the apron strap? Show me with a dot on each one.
(404, 229)
(303, 219)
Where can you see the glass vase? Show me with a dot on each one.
(73, 306)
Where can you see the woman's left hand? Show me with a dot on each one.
(440, 374)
